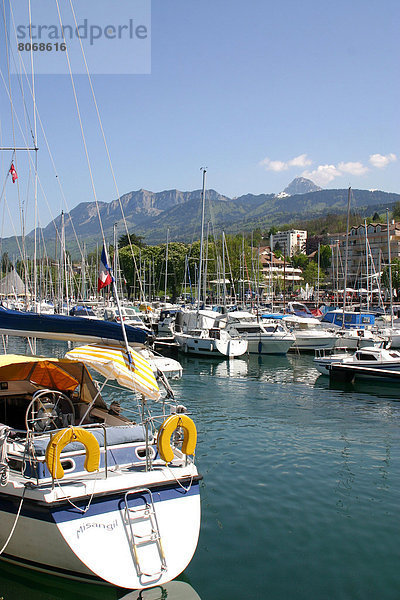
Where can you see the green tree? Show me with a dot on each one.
(310, 274)
(325, 255)
(6, 264)
(300, 260)
(136, 240)
(396, 211)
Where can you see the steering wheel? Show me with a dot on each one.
(48, 409)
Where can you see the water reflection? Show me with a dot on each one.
(174, 590)
(269, 368)
(379, 389)
(17, 583)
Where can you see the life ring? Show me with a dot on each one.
(166, 430)
(61, 439)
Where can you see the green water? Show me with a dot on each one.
(300, 494)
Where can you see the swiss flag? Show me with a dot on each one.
(13, 173)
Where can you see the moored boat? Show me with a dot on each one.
(370, 356)
(262, 337)
(85, 492)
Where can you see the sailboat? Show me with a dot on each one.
(197, 332)
(86, 492)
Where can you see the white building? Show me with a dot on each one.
(290, 242)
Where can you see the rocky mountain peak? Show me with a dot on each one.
(301, 185)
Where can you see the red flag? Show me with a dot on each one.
(13, 173)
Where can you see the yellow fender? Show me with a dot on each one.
(63, 438)
(167, 429)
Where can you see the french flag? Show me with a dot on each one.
(104, 272)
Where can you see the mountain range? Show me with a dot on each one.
(150, 214)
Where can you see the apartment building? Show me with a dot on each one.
(376, 241)
(290, 242)
(274, 269)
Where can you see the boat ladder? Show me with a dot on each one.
(143, 518)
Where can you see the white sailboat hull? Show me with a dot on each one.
(97, 544)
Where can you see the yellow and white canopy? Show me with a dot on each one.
(113, 363)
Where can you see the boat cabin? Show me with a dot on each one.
(40, 396)
(352, 320)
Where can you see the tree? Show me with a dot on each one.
(310, 273)
(396, 211)
(6, 264)
(376, 218)
(300, 260)
(325, 255)
(136, 240)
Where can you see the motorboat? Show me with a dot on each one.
(352, 320)
(87, 493)
(309, 333)
(165, 325)
(197, 332)
(352, 339)
(392, 334)
(129, 315)
(263, 337)
(370, 356)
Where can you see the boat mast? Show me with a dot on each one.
(319, 267)
(205, 274)
(36, 165)
(390, 268)
(223, 268)
(203, 197)
(347, 254)
(366, 262)
(166, 269)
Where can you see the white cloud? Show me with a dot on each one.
(323, 174)
(380, 161)
(354, 168)
(300, 161)
(280, 165)
(274, 165)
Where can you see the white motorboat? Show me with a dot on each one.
(214, 343)
(86, 493)
(208, 340)
(197, 332)
(262, 337)
(370, 356)
(309, 333)
(352, 339)
(129, 316)
(393, 335)
(165, 325)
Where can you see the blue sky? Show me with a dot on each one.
(259, 92)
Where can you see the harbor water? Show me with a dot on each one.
(300, 493)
